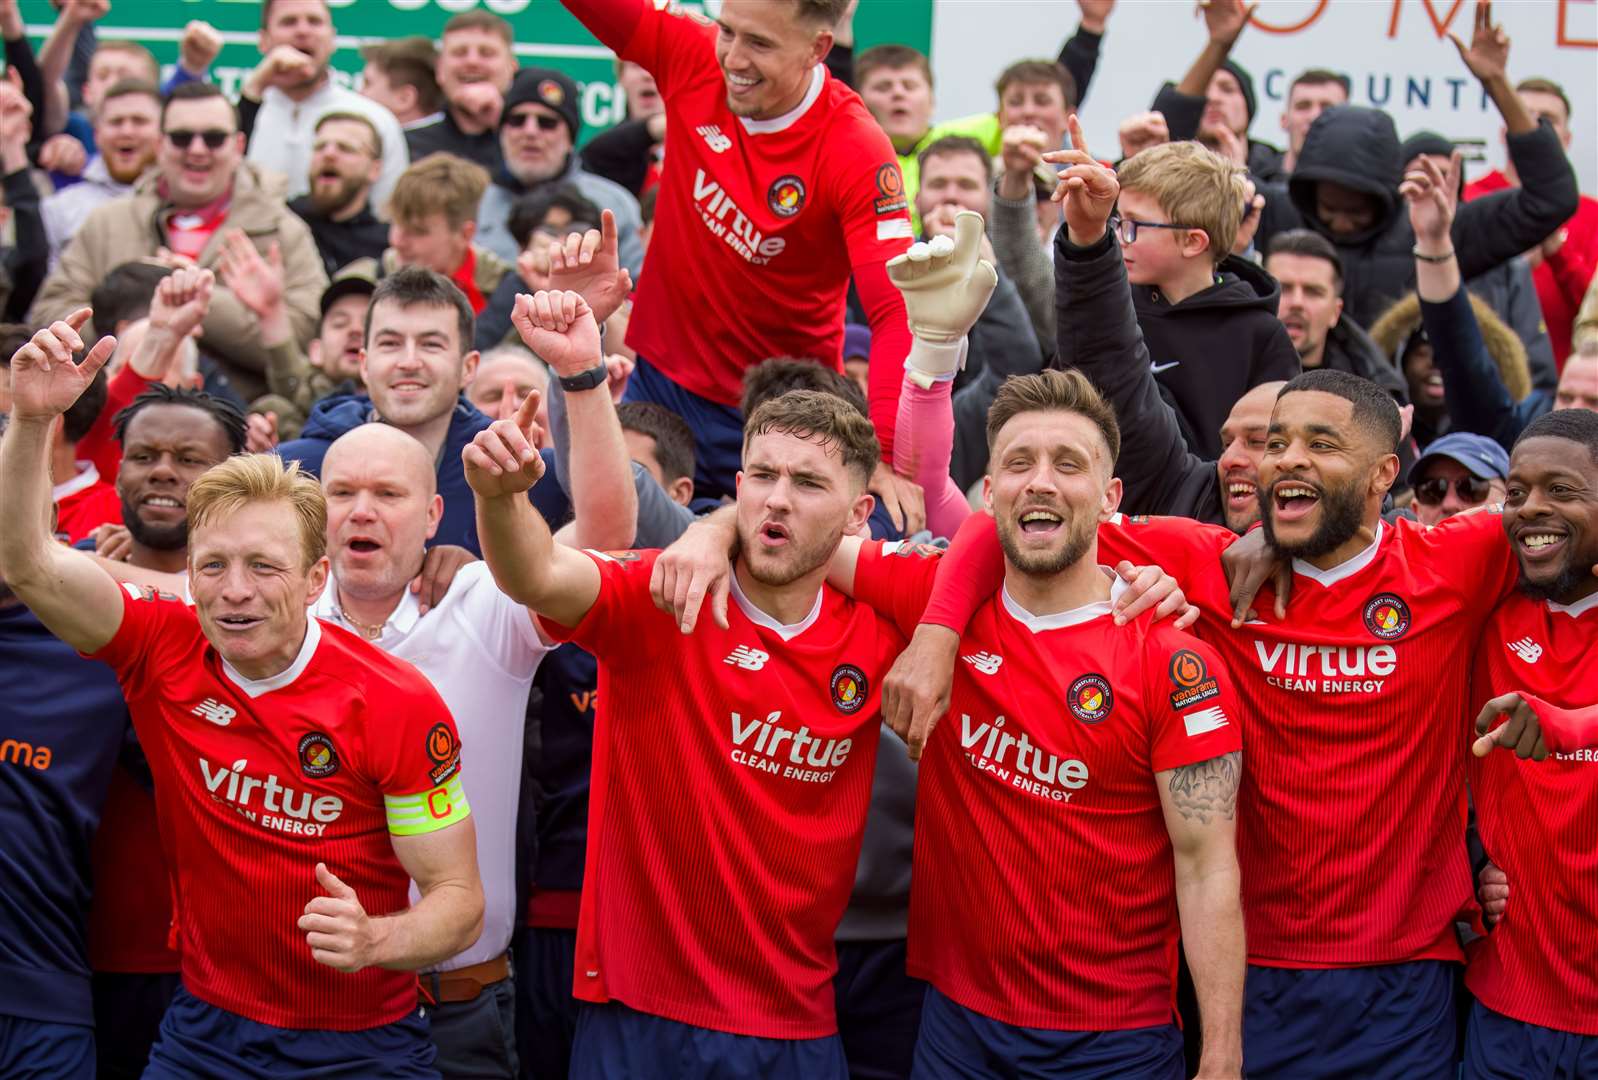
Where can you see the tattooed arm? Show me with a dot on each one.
(1200, 801)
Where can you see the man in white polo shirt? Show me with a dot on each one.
(480, 649)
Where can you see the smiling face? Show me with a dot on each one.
(1426, 388)
(796, 499)
(535, 142)
(1551, 517)
(901, 101)
(767, 54)
(127, 131)
(1322, 475)
(1243, 438)
(194, 173)
(474, 55)
(1309, 306)
(1048, 487)
(413, 366)
(382, 508)
(251, 586)
(344, 164)
(164, 450)
(304, 25)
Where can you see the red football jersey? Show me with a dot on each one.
(731, 777)
(758, 223)
(1539, 823)
(85, 503)
(1351, 816)
(257, 781)
(1043, 892)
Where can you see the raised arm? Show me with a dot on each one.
(71, 595)
(1183, 104)
(611, 21)
(1200, 802)
(501, 464)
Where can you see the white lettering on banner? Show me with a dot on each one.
(279, 808)
(1031, 769)
(758, 745)
(723, 218)
(1396, 54)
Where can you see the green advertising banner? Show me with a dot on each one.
(546, 33)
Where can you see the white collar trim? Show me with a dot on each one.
(1576, 610)
(1343, 570)
(786, 631)
(254, 688)
(1059, 620)
(87, 477)
(818, 78)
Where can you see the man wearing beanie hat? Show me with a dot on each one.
(538, 131)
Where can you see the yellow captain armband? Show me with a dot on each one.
(427, 811)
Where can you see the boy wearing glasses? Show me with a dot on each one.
(1207, 316)
(1458, 472)
(199, 192)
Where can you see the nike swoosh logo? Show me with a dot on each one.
(1157, 368)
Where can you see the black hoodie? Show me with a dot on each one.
(1213, 347)
(1358, 148)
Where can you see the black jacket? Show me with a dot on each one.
(1349, 348)
(1099, 336)
(1358, 148)
(446, 136)
(1211, 348)
(342, 242)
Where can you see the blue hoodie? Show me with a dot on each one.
(333, 416)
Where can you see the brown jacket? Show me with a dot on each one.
(132, 228)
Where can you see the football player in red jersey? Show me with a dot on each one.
(281, 751)
(1535, 975)
(779, 188)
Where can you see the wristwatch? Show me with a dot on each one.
(585, 380)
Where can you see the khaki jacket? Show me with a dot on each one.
(131, 228)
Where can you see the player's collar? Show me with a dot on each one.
(1059, 620)
(1576, 610)
(254, 688)
(818, 78)
(87, 476)
(786, 631)
(1345, 569)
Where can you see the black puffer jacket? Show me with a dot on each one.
(1349, 348)
(1358, 148)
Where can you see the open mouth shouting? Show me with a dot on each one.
(1040, 523)
(1293, 499)
(773, 535)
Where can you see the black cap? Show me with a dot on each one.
(358, 277)
(552, 89)
(1425, 142)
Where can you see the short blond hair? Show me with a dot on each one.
(251, 478)
(1195, 187)
(438, 184)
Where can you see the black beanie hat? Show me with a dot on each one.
(1425, 142)
(552, 89)
(1246, 82)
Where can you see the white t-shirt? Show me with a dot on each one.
(479, 649)
(285, 131)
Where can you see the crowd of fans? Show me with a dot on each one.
(457, 345)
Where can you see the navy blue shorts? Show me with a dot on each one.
(617, 1043)
(546, 1012)
(1498, 1048)
(879, 1009)
(718, 429)
(200, 1040)
(1390, 1020)
(40, 1050)
(959, 1044)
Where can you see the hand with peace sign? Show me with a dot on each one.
(1087, 189)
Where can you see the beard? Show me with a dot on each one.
(800, 559)
(330, 202)
(1079, 534)
(1342, 513)
(127, 176)
(174, 537)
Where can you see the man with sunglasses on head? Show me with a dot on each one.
(1458, 472)
(182, 211)
(538, 132)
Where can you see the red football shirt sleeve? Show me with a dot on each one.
(1565, 730)
(413, 756)
(623, 611)
(667, 43)
(969, 572)
(1188, 550)
(895, 579)
(133, 651)
(1471, 552)
(1193, 711)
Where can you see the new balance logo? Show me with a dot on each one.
(718, 143)
(1205, 720)
(1527, 649)
(216, 712)
(747, 658)
(985, 662)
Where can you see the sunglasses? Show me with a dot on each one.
(544, 121)
(1433, 491)
(182, 140)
